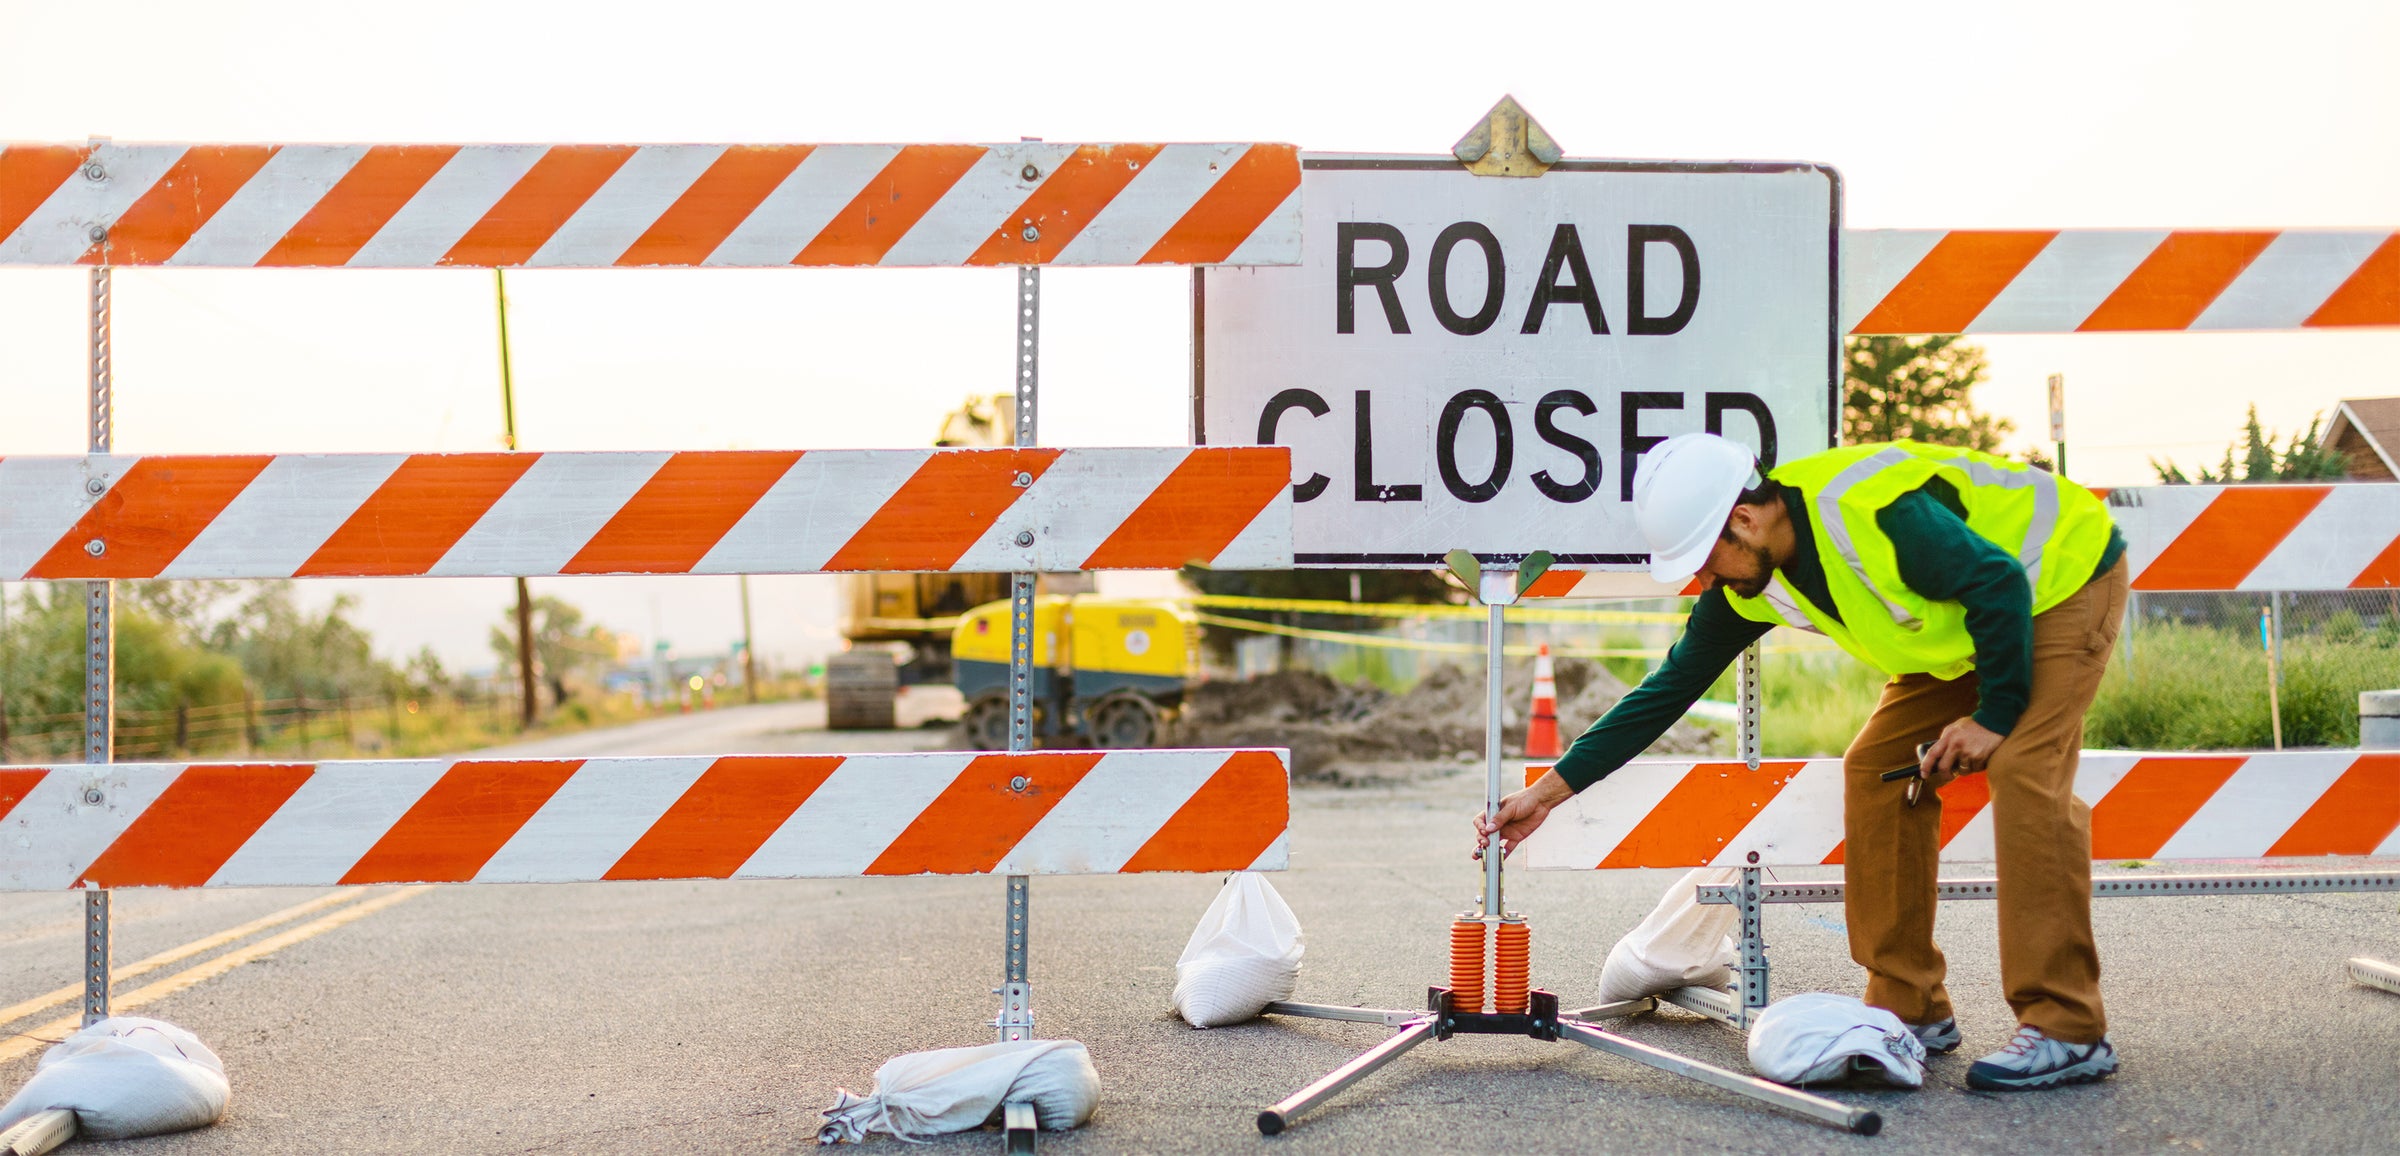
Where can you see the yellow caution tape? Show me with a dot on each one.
(950, 623)
(1387, 642)
(1408, 610)
(1427, 610)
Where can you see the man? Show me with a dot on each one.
(1990, 592)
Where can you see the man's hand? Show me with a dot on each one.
(1964, 748)
(1521, 813)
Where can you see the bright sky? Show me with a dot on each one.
(2024, 115)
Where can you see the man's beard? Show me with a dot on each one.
(1753, 587)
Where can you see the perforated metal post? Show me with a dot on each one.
(1752, 903)
(1494, 633)
(1754, 941)
(1015, 992)
(1746, 705)
(99, 657)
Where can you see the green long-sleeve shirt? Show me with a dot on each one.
(1939, 558)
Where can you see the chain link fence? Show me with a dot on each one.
(2207, 671)
(2246, 671)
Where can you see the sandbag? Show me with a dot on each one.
(926, 1094)
(1244, 955)
(1813, 1037)
(1682, 943)
(126, 1076)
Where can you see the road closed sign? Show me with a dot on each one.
(1480, 362)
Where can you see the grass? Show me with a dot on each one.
(1812, 703)
(1367, 665)
(397, 731)
(2177, 686)
(376, 727)
(2181, 688)
(2203, 688)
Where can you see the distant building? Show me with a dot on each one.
(2366, 432)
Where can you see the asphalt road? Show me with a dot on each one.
(720, 1017)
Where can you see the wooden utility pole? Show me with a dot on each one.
(508, 428)
(749, 648)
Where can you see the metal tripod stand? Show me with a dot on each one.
(1540, 1018)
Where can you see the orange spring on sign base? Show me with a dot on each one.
(1466, 965)
(1511, 967)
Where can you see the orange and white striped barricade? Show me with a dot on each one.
(1569, 583)
(1029, 203)
(2330, 536)
(2265, 538)
(1025, 204)
(469, 820)
(2292, 805)
(2117, 280)
(719, 512)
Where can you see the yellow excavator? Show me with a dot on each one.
(1117, 683)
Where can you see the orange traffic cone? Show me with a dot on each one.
(1541, 733)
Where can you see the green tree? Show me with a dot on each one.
(291, 653)
(1916, 388)
(159, 666)
(2303, 458)
(424, 676)
(188, 605)
(564, 646)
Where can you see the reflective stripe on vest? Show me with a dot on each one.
(1787, 607)
(2049, 530)
(1829, 515)
(2029, 554)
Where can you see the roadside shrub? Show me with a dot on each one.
(2180, 687)
(2176, 688)
(1813, 702)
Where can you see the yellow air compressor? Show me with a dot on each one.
(1107, 672)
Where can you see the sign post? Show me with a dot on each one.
(99, 656)
(1479, 360)
(2058, 419)
(1509, 410)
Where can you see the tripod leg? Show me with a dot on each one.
(1860, 1120)
(2375, 973)
(1356, 1015)
(1279, 1117)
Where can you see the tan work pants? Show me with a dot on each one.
(2048, 961)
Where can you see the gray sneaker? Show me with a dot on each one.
(1938, 1037)
(2033, 1060)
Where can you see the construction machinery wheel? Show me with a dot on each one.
(986, 723)
(1126, 721)
(861, 691)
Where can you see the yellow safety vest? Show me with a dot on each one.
(2057, 531)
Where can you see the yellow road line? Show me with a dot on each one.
(15, 1012)
(58, 1029)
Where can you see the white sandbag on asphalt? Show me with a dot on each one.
(926, 1094)
(1244, 955)
(1811, 1039)
(1682, 943)
(126, 1076)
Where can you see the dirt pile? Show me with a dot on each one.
(1356, 734)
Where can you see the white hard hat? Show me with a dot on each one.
(1682, 495)
(1812, 1038)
